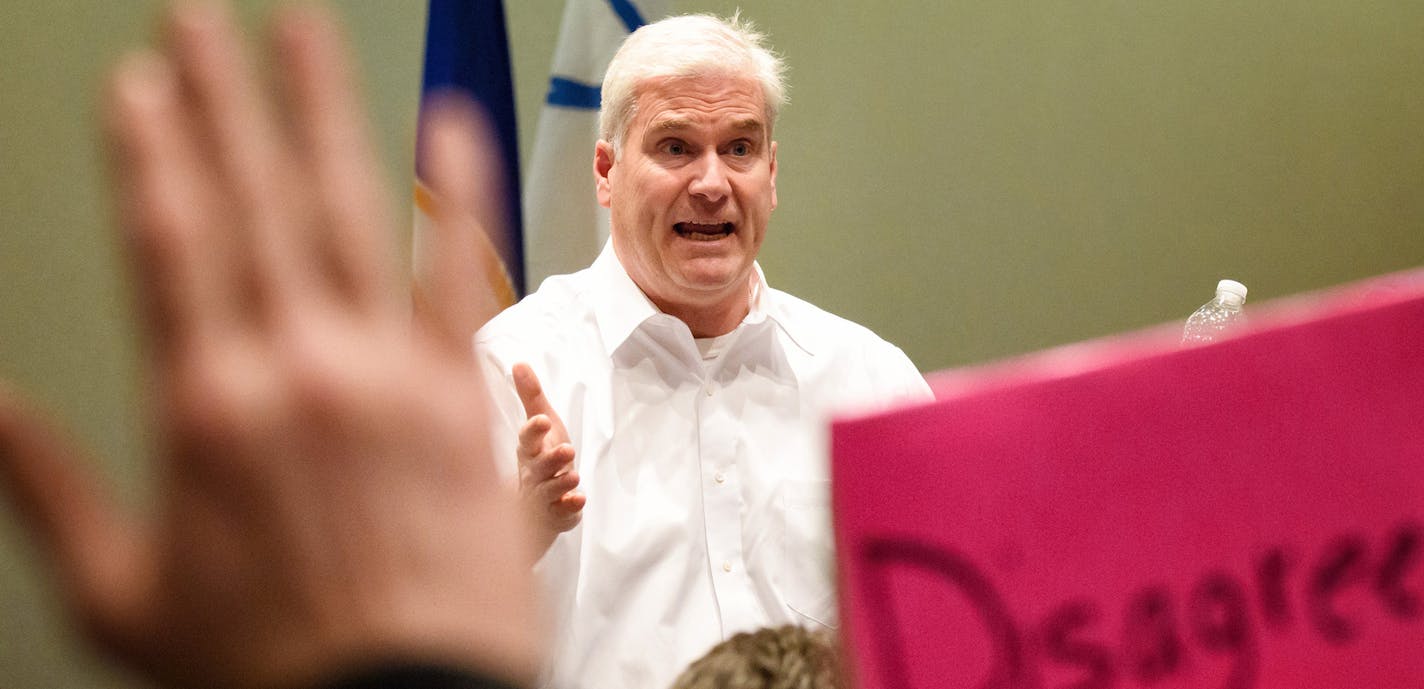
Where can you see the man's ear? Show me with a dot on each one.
(773, 175)
(602, 166)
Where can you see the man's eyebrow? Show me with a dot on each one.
(749, 124)
(673, 124)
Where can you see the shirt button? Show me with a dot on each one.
(720, 477)
(709, 389)
(726, 566)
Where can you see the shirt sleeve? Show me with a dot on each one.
(506, 411)
(908, 382)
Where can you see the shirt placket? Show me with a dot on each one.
(723, 509)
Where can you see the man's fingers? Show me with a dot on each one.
(161, 203)
(551, 490)
(335, 156)
(569, 505)
(564, 513)
(532, 434)
(531, 393)
(100, 559)
(461, 278)
(539, 467)
(243, 152)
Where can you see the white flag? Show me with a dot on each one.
(564, 227)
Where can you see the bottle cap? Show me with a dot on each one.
(1232, 287)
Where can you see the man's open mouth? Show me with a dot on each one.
(703, 232)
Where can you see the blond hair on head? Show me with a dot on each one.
(785, 657)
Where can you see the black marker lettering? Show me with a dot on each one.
(1009, 670)
(1151, 646)
(1342, 565)
(1402, 557)
(1220, 620)
(1059, 635)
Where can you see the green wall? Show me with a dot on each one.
(970, 179)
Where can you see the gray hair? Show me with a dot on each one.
(687, 46)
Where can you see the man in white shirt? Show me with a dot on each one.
(666, 406)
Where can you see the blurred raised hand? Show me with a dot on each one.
(326, 497)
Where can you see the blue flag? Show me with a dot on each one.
(564, 226)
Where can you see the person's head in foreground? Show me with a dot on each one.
(785, 657)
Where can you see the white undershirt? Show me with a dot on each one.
(712, 347)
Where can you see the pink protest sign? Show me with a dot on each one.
(1127, 513)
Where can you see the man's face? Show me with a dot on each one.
(692, 191)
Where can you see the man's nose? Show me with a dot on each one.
(709, 179)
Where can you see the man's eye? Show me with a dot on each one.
(741, 149)
(676, 148)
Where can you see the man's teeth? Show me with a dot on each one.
(703, 231)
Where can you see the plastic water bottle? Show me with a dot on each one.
(1215, 318)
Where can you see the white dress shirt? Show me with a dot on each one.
(704, 465)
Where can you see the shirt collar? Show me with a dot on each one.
(770, 305)
(621, 307)
(618, 305)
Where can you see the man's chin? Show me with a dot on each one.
(712, 277)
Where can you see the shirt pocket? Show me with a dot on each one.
(806, 578)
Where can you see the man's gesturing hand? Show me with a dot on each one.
(547, 478)
(325, 493)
